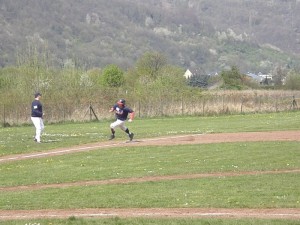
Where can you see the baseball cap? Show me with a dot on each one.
(37, 94)
(121, 102)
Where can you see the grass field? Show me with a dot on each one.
(260, 191)
(20, 139)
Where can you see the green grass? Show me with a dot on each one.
(152, 161)
(260, 191)
(15, 140)
(245, 191)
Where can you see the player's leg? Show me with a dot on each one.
(42, 126)
(113, 126)
(124, 128)
(37, 125)
(33, 119)
(112, 136)
(39, 128)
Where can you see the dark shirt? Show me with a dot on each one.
(36, 109)
(122, 113)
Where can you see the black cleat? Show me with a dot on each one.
(131, 136)
(111, 137)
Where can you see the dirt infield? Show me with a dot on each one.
(157, 212)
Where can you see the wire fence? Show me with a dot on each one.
(218, 103)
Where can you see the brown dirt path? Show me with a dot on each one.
(163, 141)
(293, 214)
(143, 179)
(157, 212)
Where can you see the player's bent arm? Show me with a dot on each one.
(112, 109)
(131, 116)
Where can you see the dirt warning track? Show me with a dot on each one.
(293, 214)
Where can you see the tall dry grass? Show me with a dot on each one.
(207, 104)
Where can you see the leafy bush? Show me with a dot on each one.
(199, 81)
(293, 81)
(113, 76)
(232, 79)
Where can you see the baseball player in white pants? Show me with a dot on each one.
(37, 117)
(121, 113)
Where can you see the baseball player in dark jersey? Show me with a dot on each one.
(121, 112)
(37, 117)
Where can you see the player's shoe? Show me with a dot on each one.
(39, 142)
(131, 136)
(111, 137)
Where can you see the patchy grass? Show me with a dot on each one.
(244, 191)
(260, 191)
(152, 161)
(15, 140)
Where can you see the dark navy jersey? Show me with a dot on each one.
(122, 113)
(36, 109)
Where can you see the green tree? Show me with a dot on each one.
(113, 76)
(293, 81)
(233, 79)
(279, 75)
(95, 75)
(150, 64)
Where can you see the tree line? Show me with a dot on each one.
(152, 77)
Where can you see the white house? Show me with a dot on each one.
(188, 74)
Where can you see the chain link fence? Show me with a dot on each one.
(212, 103)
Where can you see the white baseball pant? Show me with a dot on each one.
(39, 127)
(118, 123)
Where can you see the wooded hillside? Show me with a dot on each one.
(254, 35)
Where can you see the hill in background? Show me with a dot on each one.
(209, 35)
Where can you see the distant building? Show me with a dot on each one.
(266, 76)
(255, 77)
(261, 78)
(197, 72)
(188, 74)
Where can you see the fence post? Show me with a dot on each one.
(182, 105)
(203, 107)
(294, 103)
(161, 108)
(3, 115)
(139, 105)
(260, 103)
(64, 113)
(223, 104)
(242, 106)
(92, 112)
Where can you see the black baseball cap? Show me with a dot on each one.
(37, 94)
